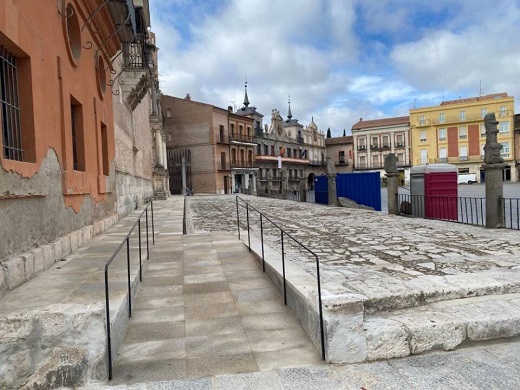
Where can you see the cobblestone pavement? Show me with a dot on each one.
(374, 254)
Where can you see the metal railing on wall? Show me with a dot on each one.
(283, 234)
(126, 241)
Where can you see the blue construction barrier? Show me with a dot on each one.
(361, 187)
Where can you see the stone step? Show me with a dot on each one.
(442, 325)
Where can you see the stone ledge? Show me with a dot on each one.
(17, 270)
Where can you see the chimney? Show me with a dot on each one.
(230, 109)
(361, 119)
(188, 97)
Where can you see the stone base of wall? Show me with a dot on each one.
(21, 268)
(132, 192)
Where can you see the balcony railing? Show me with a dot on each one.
(242, 138)
(136, 54)
(242, 164)
(300, 140)
(399, 145)
(459, 159)
(223, 166)
(223, 139)
(343, 163)
(361, 147)
(317, 162)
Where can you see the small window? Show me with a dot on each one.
(442, 134)
(463, 132)
(423, 136)
(10, 107)
(421, 120)
(72, 32)
(442, 118)
(483, 130)
(168, 113)
(170, 137)
(104, 149)
(483, 112)
(78, 141)
(503, 127)
(505, 149)
(503, 111)
(462, 115)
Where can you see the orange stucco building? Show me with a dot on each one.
(57, 126)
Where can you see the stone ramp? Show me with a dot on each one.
(386, 277)
(206, 308)
(52, 328)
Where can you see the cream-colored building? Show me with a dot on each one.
(454, 132)
(374, 139)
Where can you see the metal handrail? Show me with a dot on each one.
(127, 241)
(282, 232)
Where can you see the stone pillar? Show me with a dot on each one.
(494, 166)
(331, 182)
(183, 174)
(259, 186)
(392, 182)
(269, 183)
(303, 190)
(494, 195)
(284, 182)
(160, 174)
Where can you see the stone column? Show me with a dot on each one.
(159, 172)
(331, 182)
(494, 166)
(269, 183)
(303, 190)
(392, 182)
(284, 182)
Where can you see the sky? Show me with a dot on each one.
(337, 60)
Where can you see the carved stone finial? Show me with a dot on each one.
(492, 147)
(391, 163)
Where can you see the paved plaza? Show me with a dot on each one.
(207, 317)
(396, 285)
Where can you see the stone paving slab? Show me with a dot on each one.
(484, 366)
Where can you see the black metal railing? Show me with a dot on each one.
(446, 208)
(126, 241)
(282, 234)
(511, 208)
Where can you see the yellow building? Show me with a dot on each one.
(453, 132)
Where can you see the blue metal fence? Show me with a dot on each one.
(361, 187)
(321, 191)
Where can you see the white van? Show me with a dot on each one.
(469, 178)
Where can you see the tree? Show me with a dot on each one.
(328, 133)
(344, 133)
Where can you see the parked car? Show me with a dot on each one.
(469, 178)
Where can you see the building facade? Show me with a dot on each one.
(454, 132)
(57, 174)
(288, 149)
(220, 145)
(341, 150)
(140, 143)
(374, 139)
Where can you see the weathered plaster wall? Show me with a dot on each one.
(33, 211)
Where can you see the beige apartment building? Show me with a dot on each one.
(218, 142)
(454, 132)
(374, 139)
(341, 150)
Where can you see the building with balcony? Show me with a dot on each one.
(288, 148)
(454, 132)
(341, 150)
(374, 139)
(220, 144)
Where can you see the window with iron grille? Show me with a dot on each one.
(76, 127)
(10, 107)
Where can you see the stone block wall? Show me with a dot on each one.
(132, 192)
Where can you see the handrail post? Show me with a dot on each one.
(262, 239)
(129, 284)
(248, 234)
(322, 331)
(153, 229)
(147, 238)
(238, 219)
(109, 340)
(140, 256)
(283, 269)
